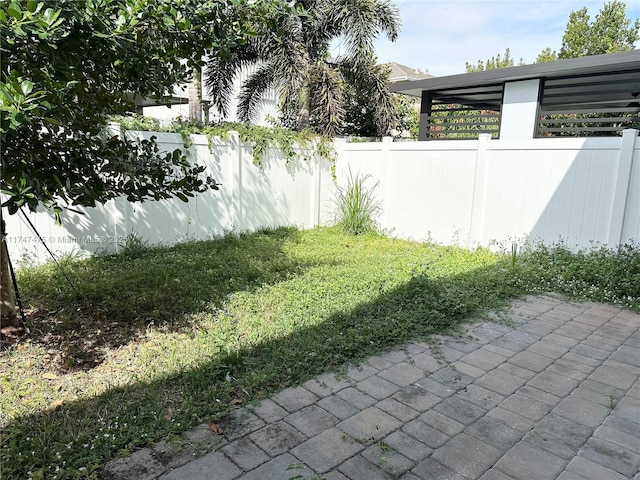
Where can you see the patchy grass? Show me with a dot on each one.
(601, 274)
(156, 340)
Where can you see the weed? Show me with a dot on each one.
(134, 246)
(357, 205)
(603, 274)
(382, 445)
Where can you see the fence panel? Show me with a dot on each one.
(550, 189)
(466, 192)
(250, 197)
(425, 188)
(474, 193)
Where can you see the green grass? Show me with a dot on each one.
(145, 347)
(600, 274)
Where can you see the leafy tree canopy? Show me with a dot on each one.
(547, 55)
(360, 120)
(610, 32)
(68, 64)
(493, 63)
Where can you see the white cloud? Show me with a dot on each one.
(441, 35)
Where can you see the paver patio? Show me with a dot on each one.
(554, 395)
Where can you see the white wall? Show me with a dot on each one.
(425, 187)
(279, 194)
(268, 107)
(584, 191)
(519, 109)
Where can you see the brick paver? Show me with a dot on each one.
(312, 420)
(555, 395)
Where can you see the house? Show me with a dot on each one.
(588, 96)
(402, 73)
(179, 102)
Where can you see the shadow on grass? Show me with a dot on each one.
(85, 433)
(117, 297)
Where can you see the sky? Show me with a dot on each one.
(441, 35)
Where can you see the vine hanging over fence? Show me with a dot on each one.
(292, 144)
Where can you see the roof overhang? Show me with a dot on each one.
(139, 101)
(583, 66)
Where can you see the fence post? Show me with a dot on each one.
(117, 211)
(387, 142)
(621, 191)
(317, 188)
(235, 154)
(479, 184)
(336, 169)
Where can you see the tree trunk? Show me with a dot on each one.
(305, 107)
(8, 314)
(303, 119)
(195, 96)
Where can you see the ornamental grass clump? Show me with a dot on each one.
(357, 205)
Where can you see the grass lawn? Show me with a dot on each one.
(154, 341)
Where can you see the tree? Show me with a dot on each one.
(547, 55)
(610, 32)
(493, 63)
(67, 66)
(576, 35)
(360, 120)
(298, 66)
(409, 117)
(360, 110)
(195, 96)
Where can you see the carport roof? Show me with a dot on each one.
(625, 66)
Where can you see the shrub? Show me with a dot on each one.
(357, 205)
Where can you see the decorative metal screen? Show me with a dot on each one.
(463, 112)
(593, 105)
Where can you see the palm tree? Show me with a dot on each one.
(297, 65)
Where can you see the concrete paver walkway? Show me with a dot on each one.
(555, 396)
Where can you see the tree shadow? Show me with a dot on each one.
(113, 299)
(121, 418)
(281, 193)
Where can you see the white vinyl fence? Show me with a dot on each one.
(583, 191)
(278, 194)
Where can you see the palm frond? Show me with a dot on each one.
(327, 107)
(290, 63)
(221, 73)
(360, 22)
(388, 17)
(386, 113)
(295, 62)
(367, 76)
(253, 90)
